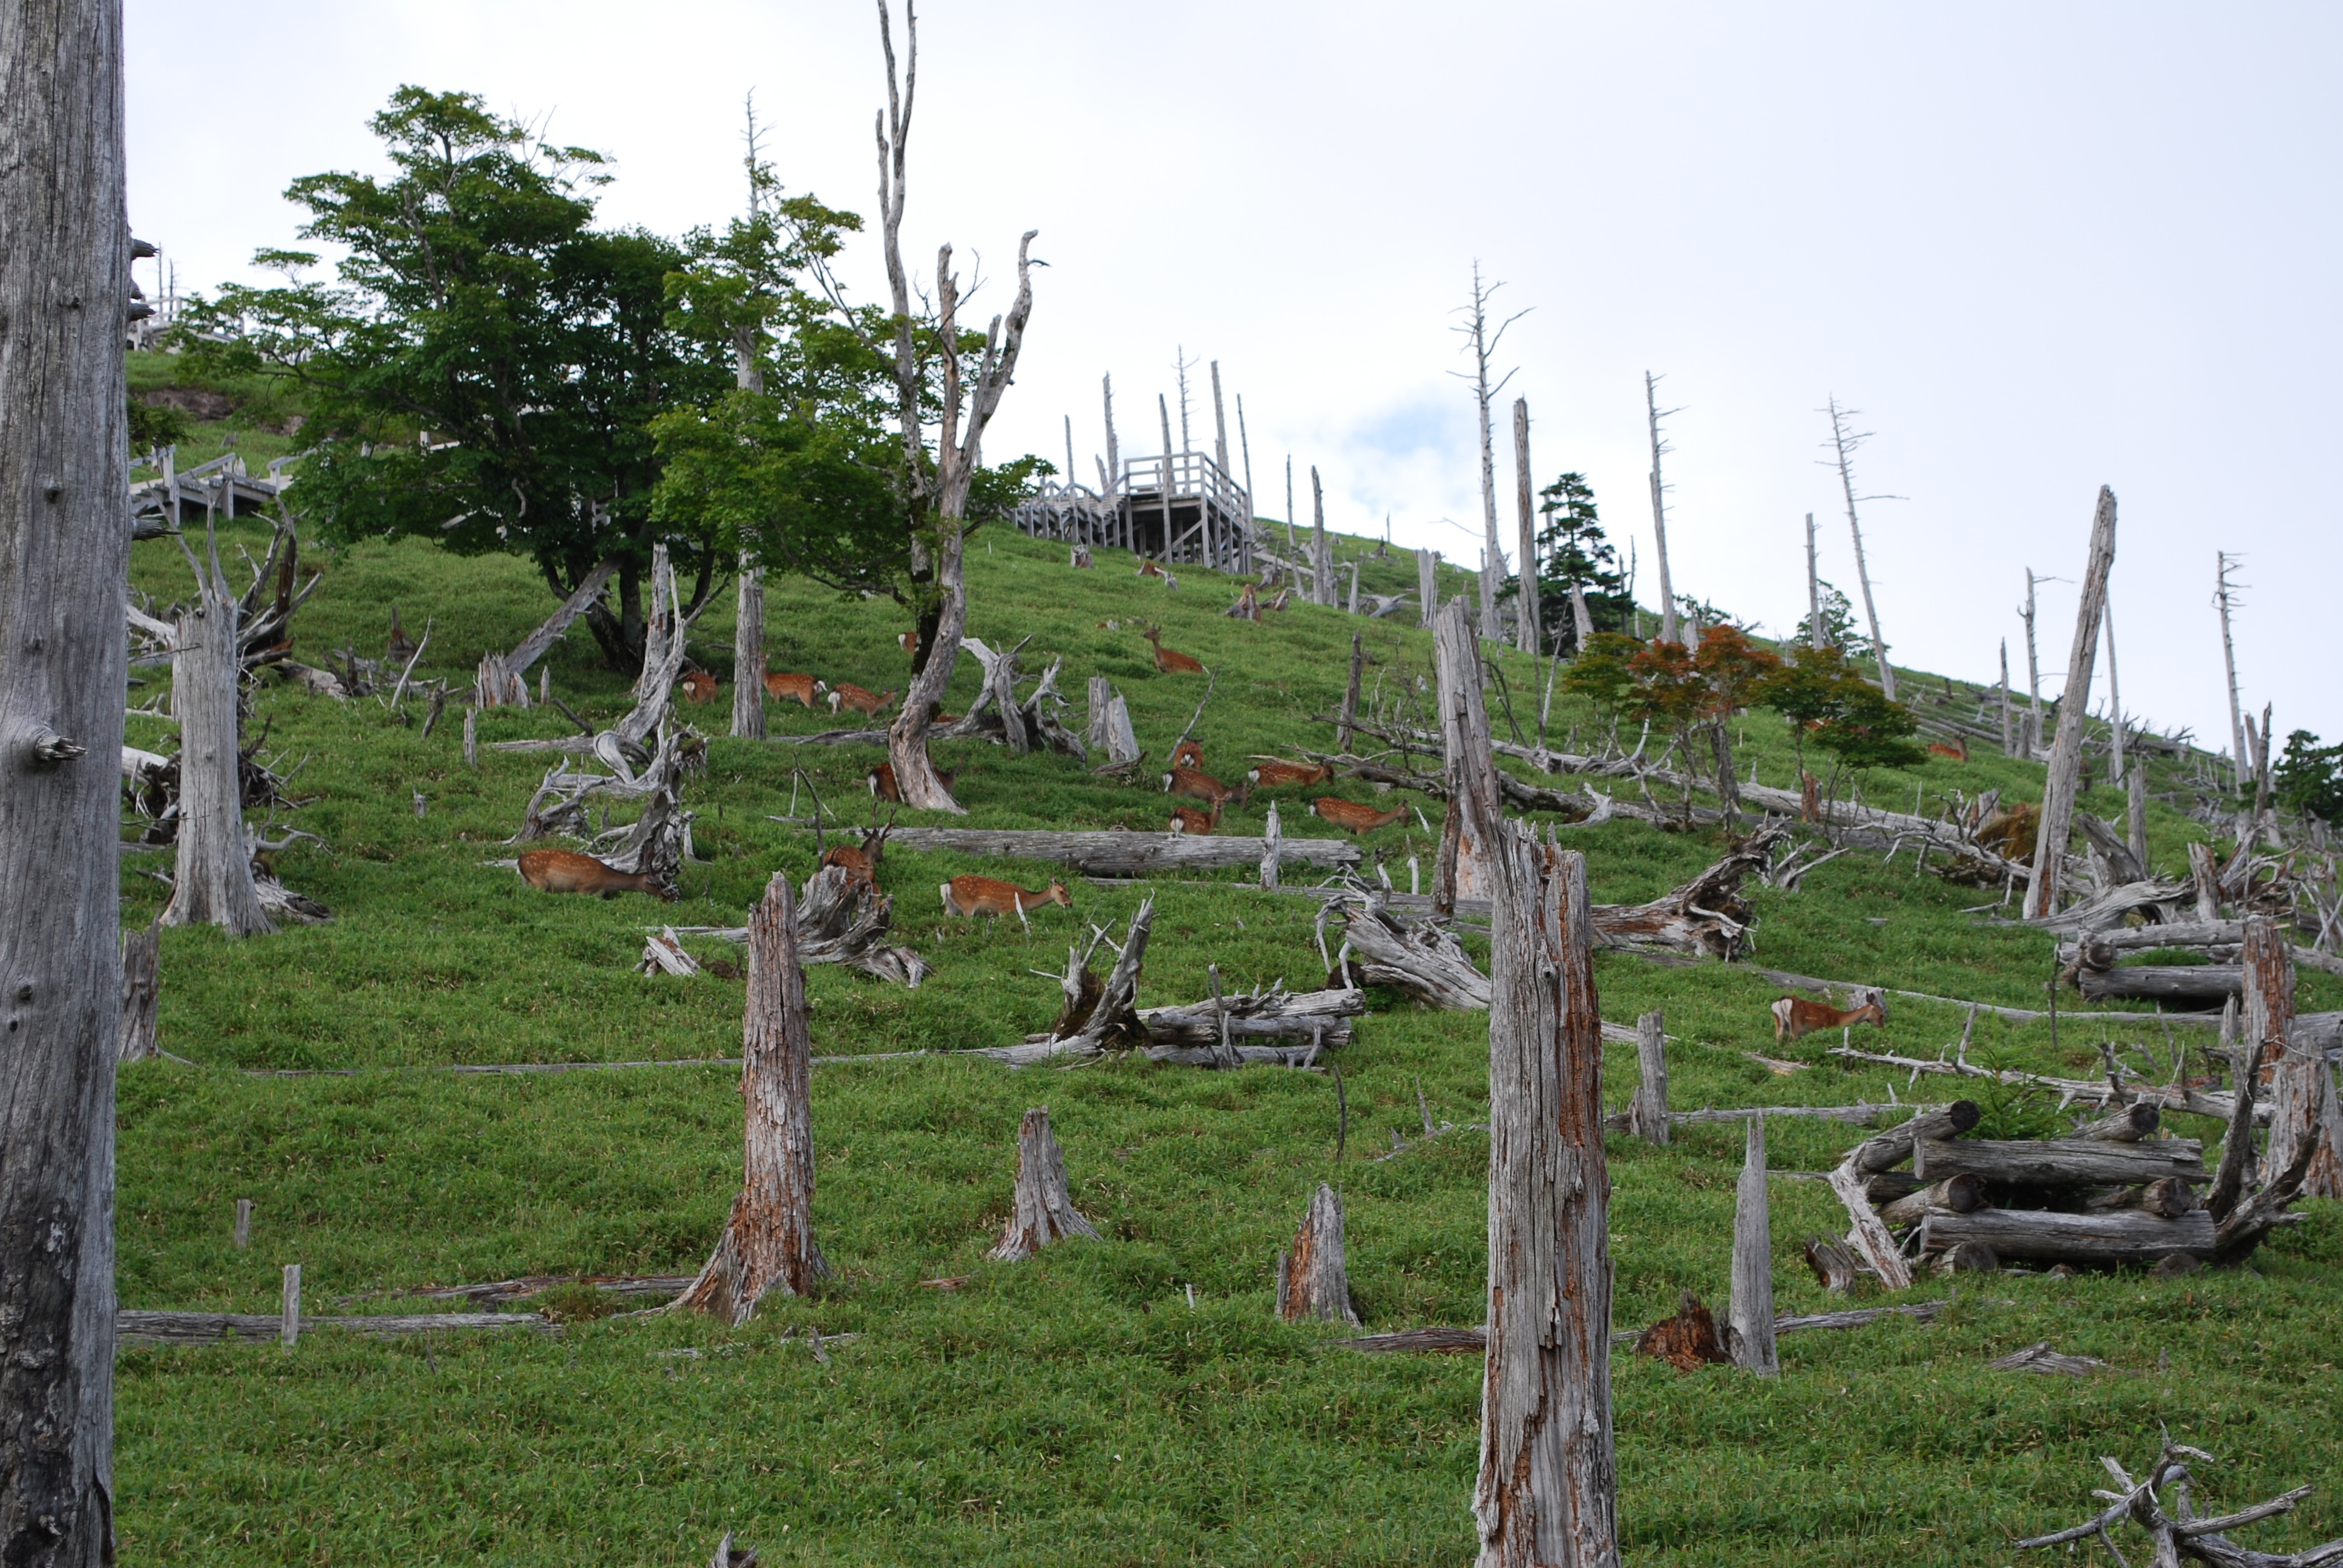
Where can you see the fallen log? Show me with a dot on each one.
(1706, 917)
(2060, 1162)
(2128, 1124)
(496, 1292)
(2167, 1195)
(211, 1327)
(2126, 1236)
(1474, 1342)
(1127, 854)
(1424, 959)
(2208, 984)
(1961, 1194)
(1273, 1014)
(1895, 1146)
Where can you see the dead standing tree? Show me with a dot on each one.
(1483, 346)
(1531, 633)
(2042, 888)
(1462, 870)
(212, 883)
(2223, 595)
(64, 270)
(499, 682)
(768, 1244)
(1844, 442)
(938, 501)
(1655, 414)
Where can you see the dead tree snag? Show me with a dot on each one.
(1311, 1283)
(1750, 1336)
(2058, 790)
(1044, 1212)
(212, 882)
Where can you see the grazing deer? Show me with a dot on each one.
(1188, 820)
(804, 688)
(568, 871)
(1167, 661)
(881, 780)
(699, 686)
(973, 896)
(1187, 754)
(862, 865)
(1958, 751)
(1794, 1018)
(1275, 773)
(868, 703)
(1148, 569)
(1352, 817)
(1197, 785)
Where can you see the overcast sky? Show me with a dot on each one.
(2042, 248)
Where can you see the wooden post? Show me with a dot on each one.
(1342, 732)
(2043, 887)
(1311, 1283)
(1528, 605)
(1647, 1114)
(1042, 1212)
(1668, 632)
(1269, 849)
(1751, 1335)
(2229, 666)
(749, 655)
(243, 1223)
(471, 736)
(289, 1331)
(1427, 589)
(141, 961)
(1547, 1489)
(1467, 833)
(768, 1244)
(1322, 553)
(1818, 634)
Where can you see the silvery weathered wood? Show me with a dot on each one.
(1647, 1114)
(2200, 985)
(211, 881)
(1423, 959)
(1272, 1014)
(749, 655)
(2304, 1105)
(1894, 1147)
(768, 1243)
(1426, 596)
(1042, 1212)
(1312, 1285)
(1750, 1336)
(1963, 1194)
(2126, 1236)
(289, 1319)
(2128, 1124)
(1468, 773)
(255, 1328)
(1117, 854)
(1547, 1487)
(2058, 1161)
(1867, 1235)
(141, 960)
(64, 280)
(1529, 630)
(2044, 884)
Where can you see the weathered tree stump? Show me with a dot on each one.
(1686, 1342)
(1311, 1283)
(1647, 1114)
(768, 1244)
(2301, 1084)
(1042, 1213)
(141, 959)
(211, 884)
(1751, 1309)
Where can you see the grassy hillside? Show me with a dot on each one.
(1075, 1409)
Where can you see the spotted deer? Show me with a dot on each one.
(802, 688)
(1188, 820)
(1276, 773)
(869, 704)
(974, 896)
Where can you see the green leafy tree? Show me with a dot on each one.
(1825, 700)
(486, 370)
(1573, 548)
(2309, 778)
(1839, 629)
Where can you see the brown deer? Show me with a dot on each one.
(1167, 661)
(1188, 754)
(1188, 820)
(1958, 751)
(1275, 773)
(568, 871)
(803, 687)
(911, 641)
(881, 780)
(869, 704)
(1352, 817)
(1284, 597)
(1794, 1018)
(1197, 785)
(861, 864)
(699, 686)
(400, 649)
(974, 896)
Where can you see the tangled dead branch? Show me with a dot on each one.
(2179, 1535)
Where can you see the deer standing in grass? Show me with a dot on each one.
(861, 864)
(869, 704)
(1352, 817)
(973, 896)
(1167, 660)
(568, 871)
(801, 687)
(1795, 1018)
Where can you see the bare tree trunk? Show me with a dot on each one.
(1351, 693)
(1581, 621)
(2136, 786)
(1845, 443)
(1818, 634)
(1427, 590)
(2207, 877)
(2229, 667)
(2008, 734)
(1042, 1213)
(1668, 631)
(1547, 1489)
(1750, 1336)
(1492, 555)
(1647, 1114)
(142, 954)
(1311, 1283)
(1467, 835)
(2032, 676)
(499, 679)
(2042, 889)
(1530, 609)
(2115, 705)
(212, 882)
(1322, 553)
(749, 655)
(2303, 1105)
(64, 272)
(768, 1244)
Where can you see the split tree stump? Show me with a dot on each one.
(768, 1244)
(1312, 1284)
(1751, 1315)
(1044, 1212)
(141, 959)
(1647, 1114)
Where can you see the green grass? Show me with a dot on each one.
(1073, 1409)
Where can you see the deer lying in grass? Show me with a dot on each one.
(1275, 773)
(861, 864)
(803, 687)
(1352, 817)
(1187, 754)
(1958, 751)
(699, 686)
(869, 704)
(1148, 569)
(1795, 1018)
(1167, 660)
(1188, 820)
(1198, 785)
(973, 896)
(568, 871)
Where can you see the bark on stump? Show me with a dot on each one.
(1312, 1282)
(1647, 1114)
(1044, 1212)
(65, 278)
(141, 959)
(768, 1244)
(1751, 1313)
(211, 883)
(1547, 1488)
(2304, 1105)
